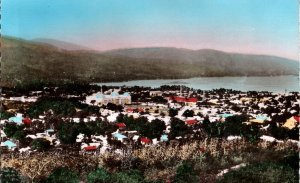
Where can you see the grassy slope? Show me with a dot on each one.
(25, 61)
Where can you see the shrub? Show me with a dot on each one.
(261, 173)
(100, 175)
(186, 173)
(63, 175)
(132, 176)
(40, 144)
(10, 175)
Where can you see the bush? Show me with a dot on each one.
(10, 175)
(40, 144)
(100, 175)
(186, 173)
(63, 175)
(261, 173)
(132, 176)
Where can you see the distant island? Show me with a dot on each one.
(37, 61)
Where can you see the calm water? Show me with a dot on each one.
(272, 84)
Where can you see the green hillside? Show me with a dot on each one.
(25, 62)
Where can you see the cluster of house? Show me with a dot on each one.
(209, 105)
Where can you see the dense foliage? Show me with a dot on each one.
(178, 128)
(9, 175)
(100, 175)
(186, 173)
(59, 106)
(63, 175)
(13, 130)
(67, 133)
(233, 125)
(40, 144)
(261, 173)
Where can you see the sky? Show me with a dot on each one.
(244, 26)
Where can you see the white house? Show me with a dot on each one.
(99, 98)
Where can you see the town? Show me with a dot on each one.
(157, 131)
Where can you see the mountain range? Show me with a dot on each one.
(26, 61)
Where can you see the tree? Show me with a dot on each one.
(10, 129)
(178, 128)
(188, 113)
(40, 144)
(206, 121)
(173, 112)
(93, 102)
(67, 133)
(19, 135)
(158, 99)
(154, 129)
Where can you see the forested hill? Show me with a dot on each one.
(26, 61)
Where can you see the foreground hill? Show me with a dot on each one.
(27, 61)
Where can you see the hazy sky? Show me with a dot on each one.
(246, 26)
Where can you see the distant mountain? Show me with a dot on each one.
(60, 44)
(27, 61)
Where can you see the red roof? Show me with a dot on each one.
(90, 148)
(140, 109)
(297, 118)
(192, 100)
(27, 121)
(184, 99)
(191, 122)
(129, 109)
(145, 140)
(121, 125)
